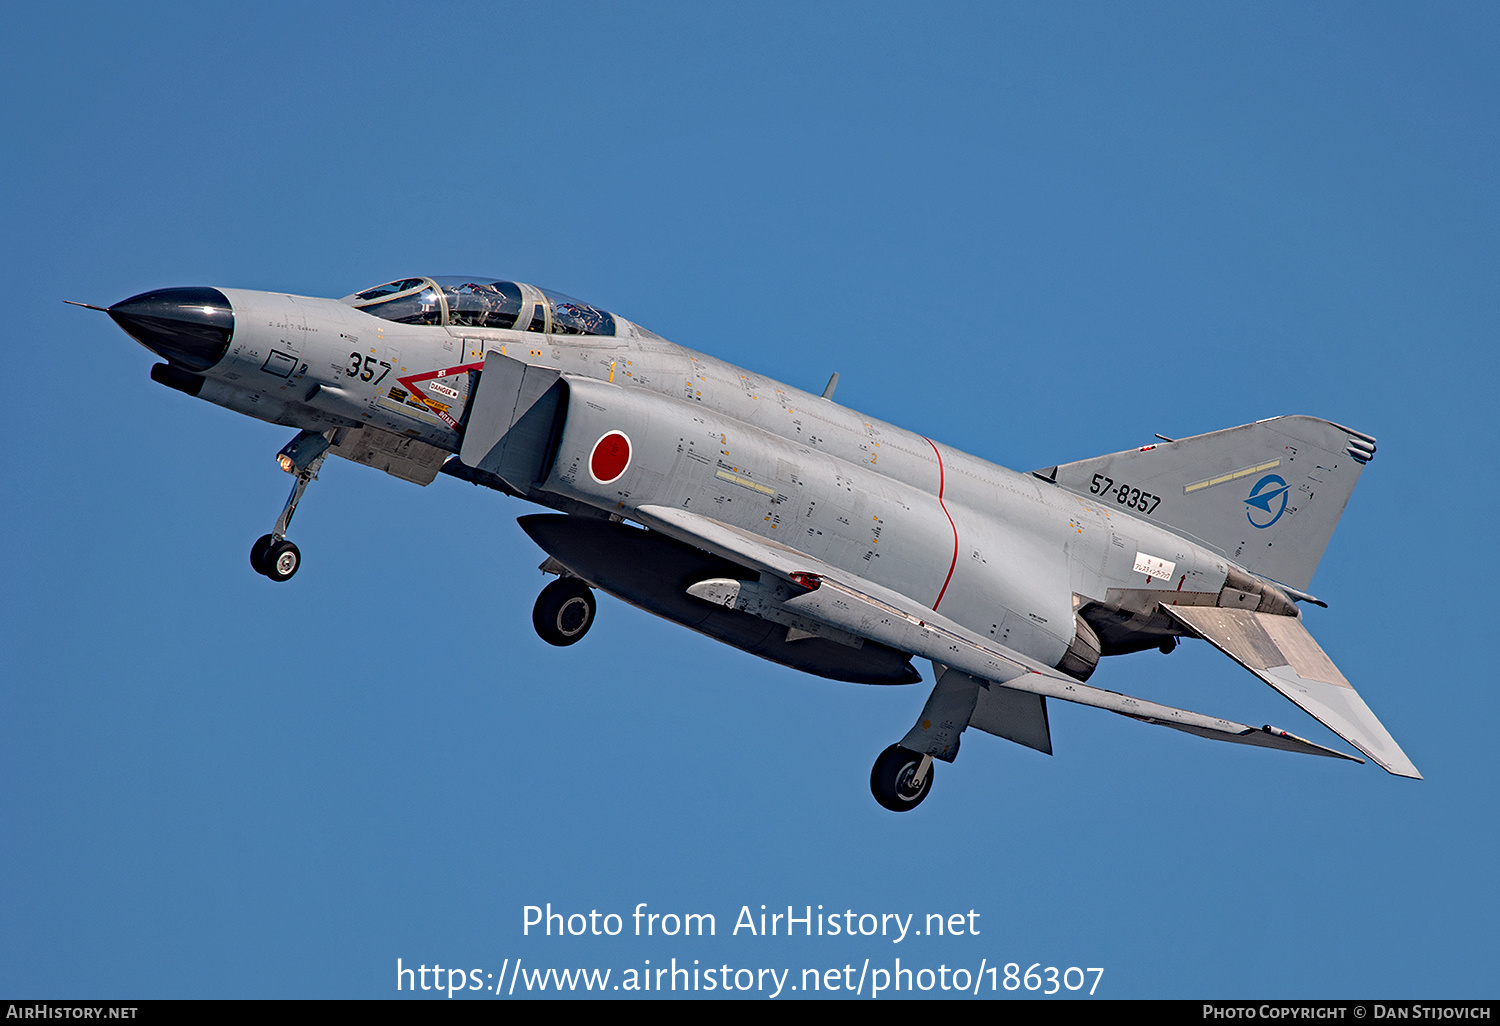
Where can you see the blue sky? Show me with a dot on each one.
(1035, 232)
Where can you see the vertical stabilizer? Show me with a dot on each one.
(1267, 495)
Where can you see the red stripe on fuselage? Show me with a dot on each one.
(411, 381)
(954, 563)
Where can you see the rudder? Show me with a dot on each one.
(1268, 495)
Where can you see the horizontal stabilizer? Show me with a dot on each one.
(1279, 651)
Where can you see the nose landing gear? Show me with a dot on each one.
(564, 611)
(272, 555)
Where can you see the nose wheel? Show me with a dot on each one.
(901, 778)
(272, 555)
(564, 611)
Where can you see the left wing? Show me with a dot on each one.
(852, 603)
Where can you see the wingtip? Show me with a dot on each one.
(1399, 766)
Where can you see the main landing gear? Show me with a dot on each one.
(276, 559)
(272, 555)
(901, 778)
(564, 611)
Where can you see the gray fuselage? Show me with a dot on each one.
(1010, 556)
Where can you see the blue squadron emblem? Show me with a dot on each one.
(1268, 494)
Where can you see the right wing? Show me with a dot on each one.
(851, 603)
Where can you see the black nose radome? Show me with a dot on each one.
(190, 327)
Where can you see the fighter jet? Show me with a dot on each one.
(786, 525)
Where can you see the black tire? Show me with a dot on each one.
(890, 780)
(564, 611)
(282, 560)
(258, 553)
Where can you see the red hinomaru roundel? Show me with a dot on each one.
(610, 457)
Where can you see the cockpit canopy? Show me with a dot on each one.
(482, 303)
